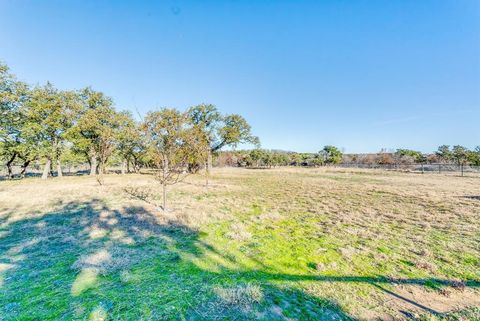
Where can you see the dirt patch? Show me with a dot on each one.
(415, 300)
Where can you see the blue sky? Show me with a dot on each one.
(362, 75)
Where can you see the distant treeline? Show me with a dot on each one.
(271, 158)
(331, 155)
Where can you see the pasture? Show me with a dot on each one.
(277, 244)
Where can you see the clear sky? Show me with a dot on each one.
(362, 75)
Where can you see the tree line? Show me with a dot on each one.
(445, 154)
(51, 126)
(331, 155)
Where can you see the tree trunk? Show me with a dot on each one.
(89, 160)
(93, 165)
(128, 165)
(100, 172)
(209, 161)
(24, 168)
(135, 167)
(164, 185)
(101, 168)
(207, 174)
(9, 166)
(59, 169)
(46, 169)
(208, 166)
(124, 166)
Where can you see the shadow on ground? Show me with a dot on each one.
(86, 261)
(472, 197)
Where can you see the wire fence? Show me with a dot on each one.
(438, 168)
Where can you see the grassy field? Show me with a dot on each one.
(279, 244)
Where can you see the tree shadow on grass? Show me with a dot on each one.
(86, 261)
(472, 197)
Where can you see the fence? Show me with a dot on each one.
(456, 169)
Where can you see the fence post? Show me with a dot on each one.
(423, 171)
(439, 168)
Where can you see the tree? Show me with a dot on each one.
(219, 130)
(268, 159)
(13, 94)
(305, 159)
(96, 129)
(70, 158)
(245, 160)
(280, 159)
(296, 159)
(49, 114)
(256, 156)
(171, 141)
(332, 155)
(474, 156)
(130, 141)
(408, 154)
(444, 154)
(318, 160)
(460, 154)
